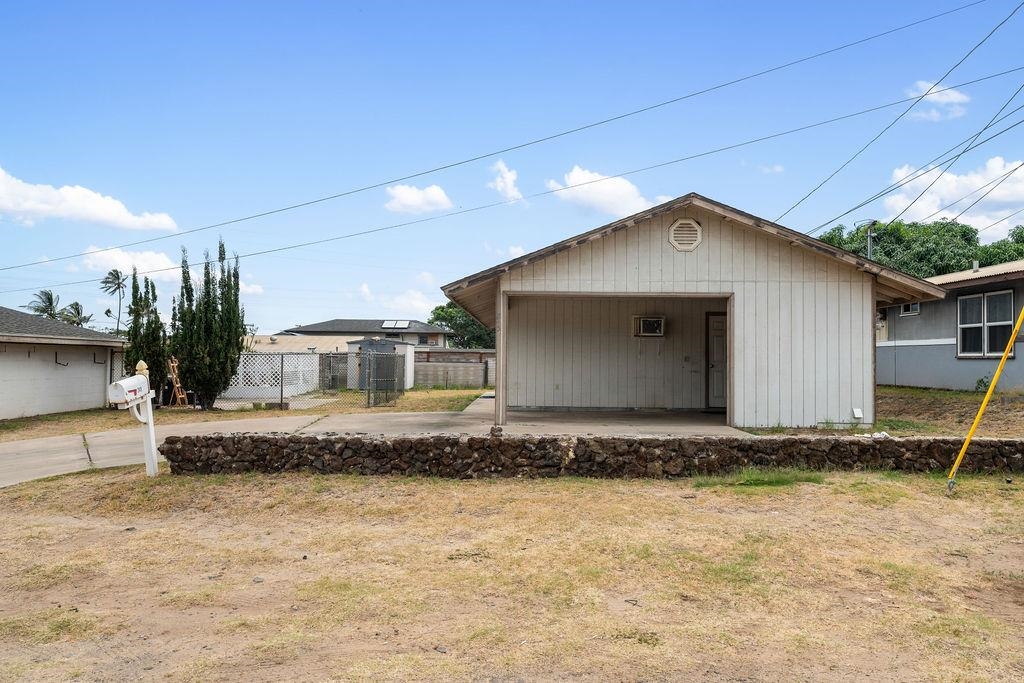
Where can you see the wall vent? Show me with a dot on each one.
(685, 234)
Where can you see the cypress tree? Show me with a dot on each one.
(208, 327)
(147, 338)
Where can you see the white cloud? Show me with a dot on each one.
(614, 196)
(411, 199)
(28, 203)
(948, 104)
(1008, 197)
(505, 182)
(511, 251)
(247, 288)
(772, 169)
(426, 278)
(103, 261)
(412, 303)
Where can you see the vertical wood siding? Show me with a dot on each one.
(581, 352)
(801, 333)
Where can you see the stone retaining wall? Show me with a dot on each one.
(528, 456)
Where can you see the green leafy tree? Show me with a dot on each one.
(74, 314)
(147, 337)
(208, 328)
(45, 303)
(920, 249)
(115, 283)
(466, 331)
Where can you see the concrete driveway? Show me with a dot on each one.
(37, 458)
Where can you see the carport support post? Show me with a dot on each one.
(501, 352)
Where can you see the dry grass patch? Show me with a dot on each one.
(837, 575)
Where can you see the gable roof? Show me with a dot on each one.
(476, 293)
(18, 326)
(1001, 272)
(359, 326)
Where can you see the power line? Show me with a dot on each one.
(519, 146)
(492, 205)
(902, 114)
(957, 201)
(1005, 177)
(957, 158)
(1004, 218)
(924, 169)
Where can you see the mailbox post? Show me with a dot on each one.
(133, 394)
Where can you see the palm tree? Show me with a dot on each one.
(73, 314)
(45, 303)
(115, 282)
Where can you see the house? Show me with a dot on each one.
(956, 342)
(689, 305)
(333, 335)
(48, 366)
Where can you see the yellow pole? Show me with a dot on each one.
(984, 404)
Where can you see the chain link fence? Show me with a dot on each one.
(316, 380)
(307, 380)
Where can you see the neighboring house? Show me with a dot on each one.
(48, 366)
(689, 305)
(334, 335)
(955, 343)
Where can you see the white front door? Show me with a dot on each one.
(717, 357)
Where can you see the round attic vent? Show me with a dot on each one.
(685, 234)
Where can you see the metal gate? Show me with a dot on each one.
(385, 377)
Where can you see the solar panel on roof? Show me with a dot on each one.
(390, 324)
(401, 324)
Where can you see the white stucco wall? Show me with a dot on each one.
(32, 383)
(801, 324)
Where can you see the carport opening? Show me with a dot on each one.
(616, 354)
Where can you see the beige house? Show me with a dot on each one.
(690, 305)
(333, 336)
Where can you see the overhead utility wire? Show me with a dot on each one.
(972, 192)
(1004, 218)
(491, 205)
(922, 170)
(955, 159)
(906, 111)
(1006, 176)
(516, 147)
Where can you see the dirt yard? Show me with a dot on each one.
(109, 576)
(101, 419)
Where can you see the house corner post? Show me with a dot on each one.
(501, 353)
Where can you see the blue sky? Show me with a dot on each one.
(128, 121)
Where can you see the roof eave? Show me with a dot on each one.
(60, 341)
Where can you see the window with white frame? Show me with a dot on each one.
(910, 309)
(984, 324)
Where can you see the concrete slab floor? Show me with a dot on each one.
(619, 423)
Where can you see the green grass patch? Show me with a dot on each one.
(759, 478)
(895, 424)
(649, 638)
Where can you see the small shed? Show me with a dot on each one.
(689, 305)
(47, 366)
(381, 360)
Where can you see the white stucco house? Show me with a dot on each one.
(48, 366)
(689, 305)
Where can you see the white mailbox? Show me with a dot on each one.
(128, 392)
(133, 394)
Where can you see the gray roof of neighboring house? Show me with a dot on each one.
(354, 326)
(19, 326)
